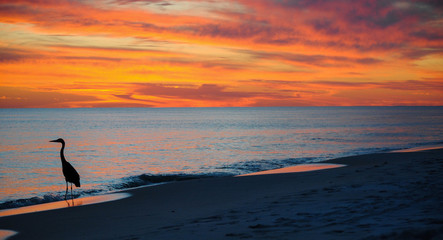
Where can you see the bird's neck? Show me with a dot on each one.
(62, 155)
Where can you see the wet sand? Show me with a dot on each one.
(64, 204)
(297, 168)
(375, 196)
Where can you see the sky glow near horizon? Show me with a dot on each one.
(206, 53)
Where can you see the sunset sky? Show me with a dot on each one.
(207, 53)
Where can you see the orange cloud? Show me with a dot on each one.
(228, 53)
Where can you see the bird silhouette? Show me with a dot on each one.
(71, 175)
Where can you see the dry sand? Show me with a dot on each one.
(376, 196)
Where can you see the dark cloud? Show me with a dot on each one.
(216, 93)
(116, 104)
(361, 46)
(10, 56)
(41, 2)
(365, 61)
(380, 20)
(386, 13)
(436, 35)
(210, 92)
(13, 55)
(366, 12)
(411, 85)
(246, 29)
(422, 52)
(142, 26)
(274, 81)
(46, 13)
(310, 84)
(315, 60)
(277, 41)
(356, 17)
(159, 2)
(202, 62)
(7, 9)
(290, 102)
(165, 4)
(12, 97)
(92, 58)
(134, 48)
(131, 97)
(342, 84)
(299, 3)
(426, 84)
(125, 96)
(377, 46)
(326, 26)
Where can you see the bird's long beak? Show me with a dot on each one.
(53, 141)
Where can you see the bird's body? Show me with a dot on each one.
(71, 175)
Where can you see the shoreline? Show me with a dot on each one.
(65, 204)
(121, 194)
(381, 194)
(418, 149)
(51, 197)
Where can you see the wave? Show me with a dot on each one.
(124, 183)
(149, 179)
(31, 201)
(262, 165)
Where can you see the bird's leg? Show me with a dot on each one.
(66, 189)
(72, 198)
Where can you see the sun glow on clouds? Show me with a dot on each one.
(154, 53)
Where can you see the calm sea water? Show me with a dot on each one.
(115, 148)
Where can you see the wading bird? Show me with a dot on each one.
(69, 171)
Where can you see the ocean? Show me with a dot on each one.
(118, 148)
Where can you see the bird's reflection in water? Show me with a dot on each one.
(66, 203)
(74, 202)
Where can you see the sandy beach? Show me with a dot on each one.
(376, 196)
